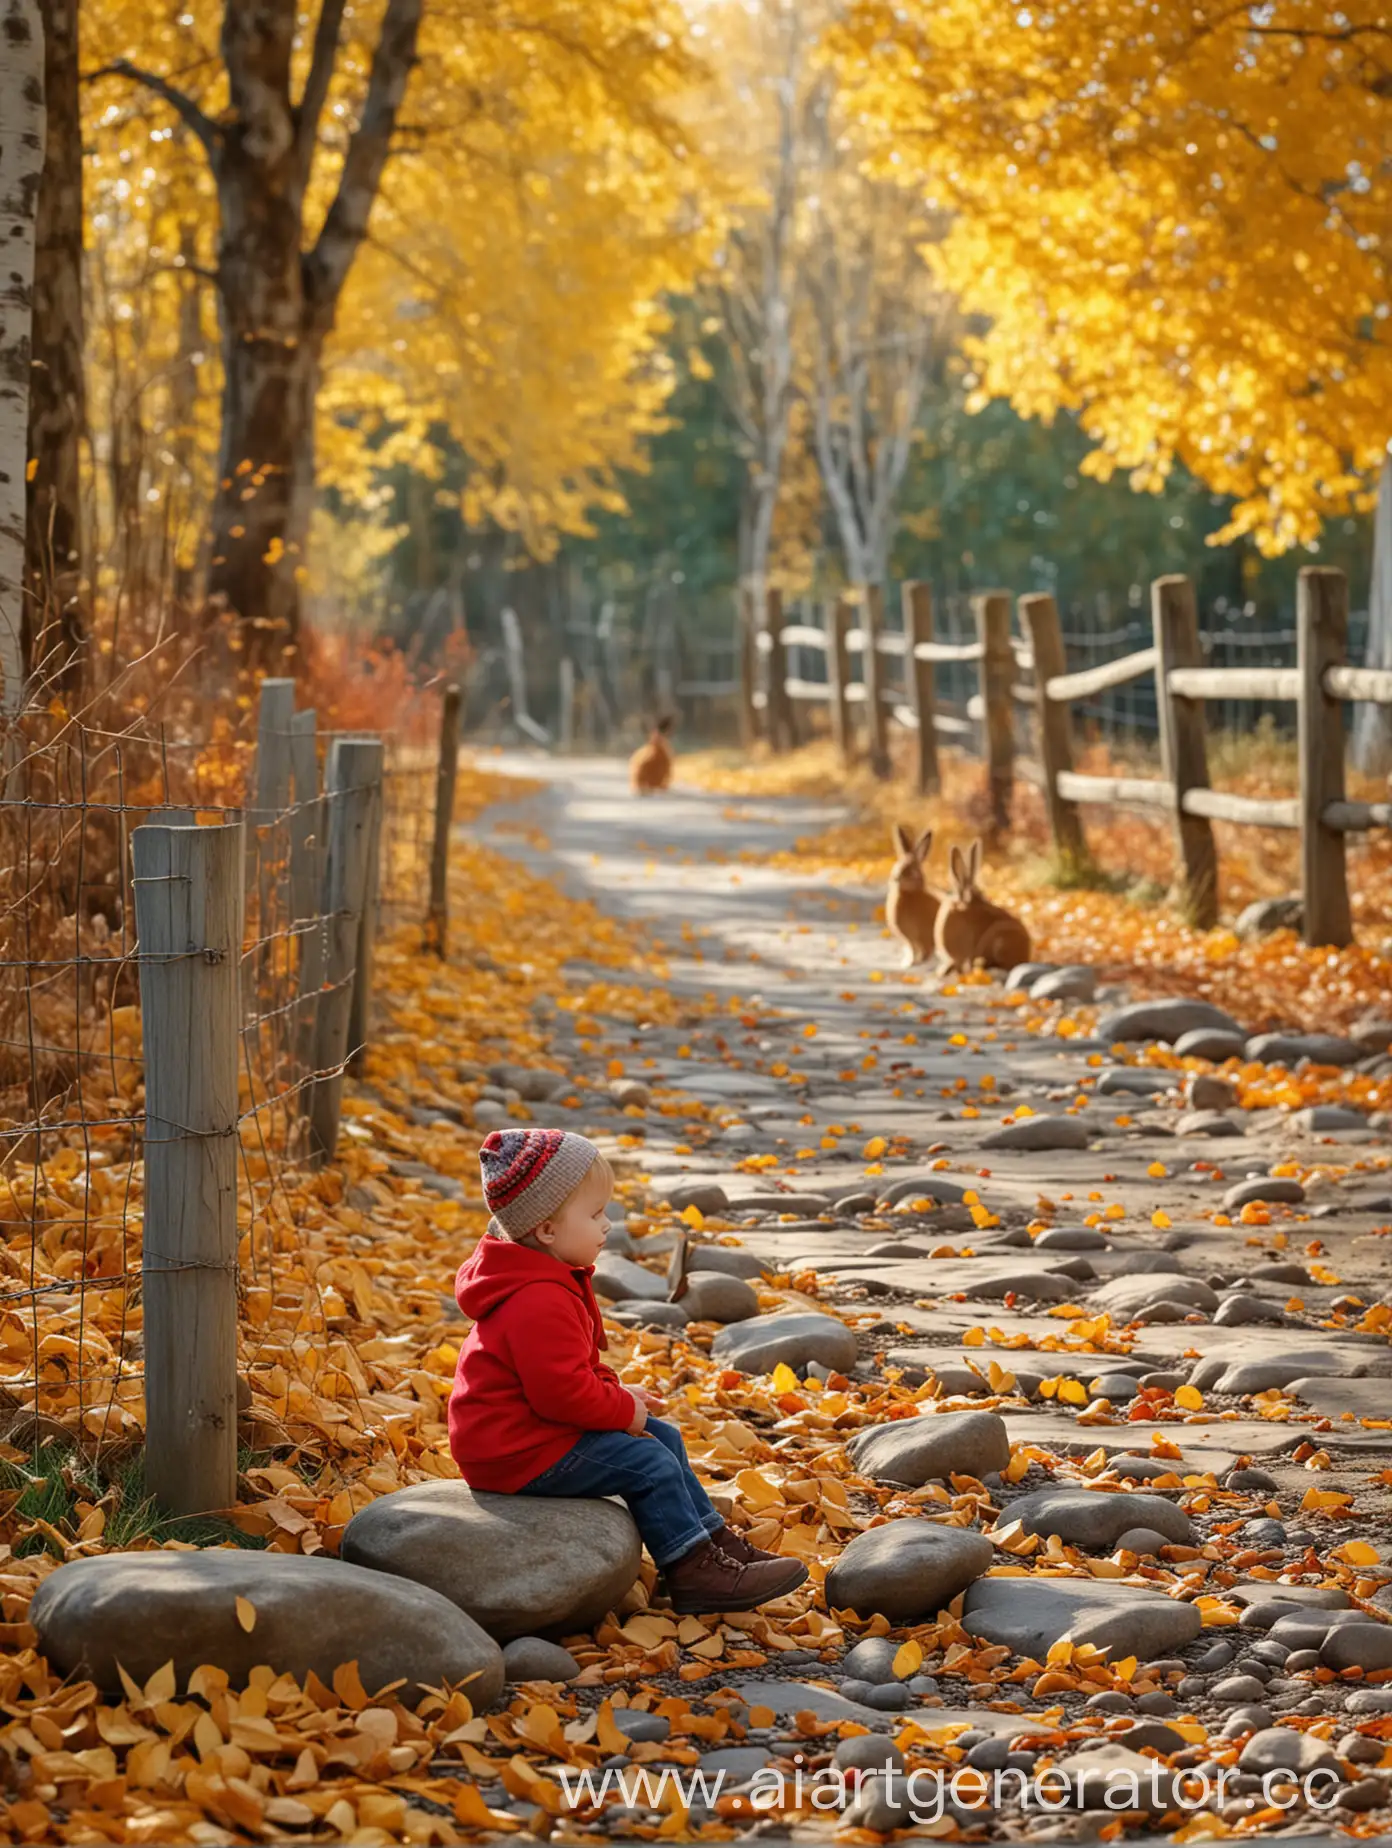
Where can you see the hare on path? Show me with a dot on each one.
(911, 904)
(971, 929)
(650, 767)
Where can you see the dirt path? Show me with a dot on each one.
(826, 1073)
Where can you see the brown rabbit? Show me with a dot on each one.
(911, 905)
(971, 929)
(650, 767)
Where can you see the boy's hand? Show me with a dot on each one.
(640, 1410)
(653, 1401)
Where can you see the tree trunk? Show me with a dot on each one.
(1372, 725)
(54, 563)
(190, 558)
(21, 165)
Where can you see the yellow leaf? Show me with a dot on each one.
(783, 1379)
(31, 468)
(1189, 1397)
(908, 1659)
(974, 1337)
(246, 1614)
(874, 1148)
(1161, 1220)
(1357, 1553)
(161, 1686)
(694, 1217)
(1072, 1392)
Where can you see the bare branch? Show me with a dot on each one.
(316, 90)
(199, 124)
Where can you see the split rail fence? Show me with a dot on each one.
(1026, 674)
(243, 941)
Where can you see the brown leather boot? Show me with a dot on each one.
(739, 1548)
(708, 1579)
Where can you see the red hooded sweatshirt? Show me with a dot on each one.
(529, 1382)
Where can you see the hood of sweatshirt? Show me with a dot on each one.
(498, 1268)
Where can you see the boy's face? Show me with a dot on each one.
(577, 1233)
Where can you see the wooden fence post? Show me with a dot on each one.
(354, 772)
(189, 897)
(1321, 617)
(566, 722)
(839, 677)
(997, 696)
(777, 708)
(872, 627)
(747, 636)
(437, 920)
(306, 878)
(920, 678)
(1039, 614)
(360, 1018)
(1183, 749)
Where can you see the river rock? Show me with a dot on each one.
(1206, 1123)
(533, 1083)
(1162, 1020)
(1135, 1081)
(311, 1614)
(1126, 1296)
(931, 1447)
(1281, 1749)
(872, 1660)
(1291, 1048)
(621, 1280)
(532, 1658)
(733, 1260)
(1206, 1091)
(1274, 1189)
(1372, 1035)
(634, 1313)
(1096, 1517)
(705, 1196)
(907, 1570)
(1024, 975)
(1265, 915)
(1243, 1311)
(1248, 1376)
(1212, 1043)
(1113, 1777)
(1072, 1238)
(1326, 1119)
(1041, 1133)
(1143, 1541)
(1358, 1645)
(1074, 982)
(922, 1186)
(712, 1296)
(519, 1565)
(1030, 1615)
(758, 1345)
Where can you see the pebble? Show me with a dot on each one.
(1247, 1719)
(1211, 1043)
(619, 1279)
(1206, 1123)
(1041, 1133)
(1075, 982)
(1274, 1189)
(1030, 1615)
(1204, 1091)
(871, 1660)
(705, 1196)
(1096, 1517)
(1278, 1748)
(906, 1570)
(1290, 1048)
(868, 1752)
(1358, 1645)
(1141, 1540)
(734, 1260)
(1251, 1479)
(1327, 1119)
(1129, 1080)
(641, 1727)
(1265, 915)
(532, 1658)
(1248, 1312)
(1238, 1690)
(713, 1296)
(1216, 1656)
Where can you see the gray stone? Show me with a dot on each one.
(1358, 1645)
(1107, 1776)
(872, 1660)
(1144, 1541)
(1125, 1296)
(705, 1196)
(1274, 1189)
(1071, 1238)
(1075, 982)
(1274, 1370)
(1280, 1749)
(1096, 1517)
(1211, 1043)
(642, 1728)
(1372, 1035)
(796, 1339)
(930, 1447)
(1120, 1080)
(1204, 1091)
(1041, 1133)
(1118, 1387)
(311, 1614)
(923, 1186)
(880, 1804)
(887, 1698)
(1247, 1312)
(1265, 915)
(739, 1762)
(1030, 1615)
(627, 1092)
(532, 1658)
(1291, 1048)
(1327, 1119)
(1251, 1718)
(636, 1314)
(712, 1296)
(1206, 1123)
(868, 1752)
(533, 1083)
(906, 1570)
(517, 1564)
(622, 1280)
(1162, 1020)
(1237, 1691)
(1152, 1736)
(1024, 975)
(733, 1260)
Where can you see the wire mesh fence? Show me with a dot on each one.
(153, 891)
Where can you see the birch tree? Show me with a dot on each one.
(21, 165)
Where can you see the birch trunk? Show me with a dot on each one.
(55, 562)
(1372, 725)
(21, 167)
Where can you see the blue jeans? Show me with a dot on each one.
(651, 1472)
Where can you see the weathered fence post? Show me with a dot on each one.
(306, 877)
(1039, 614)
(1321, 618)
(916, 601)
(360, 1018)
(747, 636)
(189, 896)
(777, 707)
(437, 920)
(839, 677)
(992, 610)
(565, 727)
(871, 628)
(1183, 749)
(354, 771)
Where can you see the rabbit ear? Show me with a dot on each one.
(901, 837)
(974, 862)
(925, 843)
(959, 868)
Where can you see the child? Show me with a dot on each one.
(535, 1412)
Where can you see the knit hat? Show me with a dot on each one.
(529, 1174)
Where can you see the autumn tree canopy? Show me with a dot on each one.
(1174, 213)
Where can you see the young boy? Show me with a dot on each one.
(535, 1412)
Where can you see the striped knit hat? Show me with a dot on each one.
(529, 1174)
